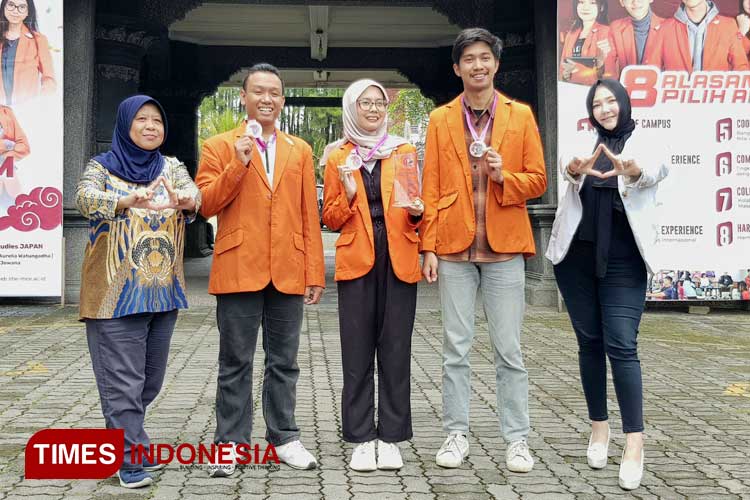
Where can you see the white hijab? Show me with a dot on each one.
(355, 134)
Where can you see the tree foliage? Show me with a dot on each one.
(318, 126)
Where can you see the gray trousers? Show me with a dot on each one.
(238, 316)
(502, 285)
(129, 356)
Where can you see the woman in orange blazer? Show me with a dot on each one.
(26, 69)
(377, 268)
(588, 37)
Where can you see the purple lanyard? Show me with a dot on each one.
(372, 151)
(262, 145)
(486, 125)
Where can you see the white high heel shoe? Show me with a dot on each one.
(596, 453)
(631, 472)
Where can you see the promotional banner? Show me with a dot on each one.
(31, 148)
(685, 67)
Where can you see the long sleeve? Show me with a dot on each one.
(46, 70)
(430, 189)
(183, 184)
(92, 199)
(218, 180)
(336, 207)
(15, 133)
(314, 259)
(531, 182)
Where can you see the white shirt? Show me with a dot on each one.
(270, 154)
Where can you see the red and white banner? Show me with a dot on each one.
(31, 152)
(697, 122)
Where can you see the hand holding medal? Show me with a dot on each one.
(243, 147)
(494, 166)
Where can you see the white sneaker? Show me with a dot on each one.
(453, 452)
(518, 458)
(224, 470)
(596, 453)
(363, 457)
(296, 456)
(389, 456)
(631, 472)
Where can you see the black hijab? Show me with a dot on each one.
(614, 139)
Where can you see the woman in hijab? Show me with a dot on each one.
(137, 202)
(599, 245)
(377, 268)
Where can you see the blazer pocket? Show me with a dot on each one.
(228, 241)
(345, 239)
(411, 236)
(447, 200)
(299, 242)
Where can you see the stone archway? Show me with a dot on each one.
(133, 53)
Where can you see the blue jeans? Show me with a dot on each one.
(129, 356)
(502, 285)
(605, 313)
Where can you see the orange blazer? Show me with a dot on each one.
(355, 248)
(449, 223)
(622, 43)
(265, 235)
(12, 131)
(584, 75)
(32, 73)
(723, 50)
(746, 45)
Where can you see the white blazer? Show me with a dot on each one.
(638, 197)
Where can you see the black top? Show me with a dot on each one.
(371, 181)
(578, 47)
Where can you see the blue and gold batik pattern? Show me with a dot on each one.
(133, 260)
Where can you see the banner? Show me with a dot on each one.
(686, 70)
(31, 149)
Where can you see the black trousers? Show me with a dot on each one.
(605, 313)
(238, 316)
(376, 317)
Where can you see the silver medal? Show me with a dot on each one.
(253, 129)
(477, 149)
(354, 161)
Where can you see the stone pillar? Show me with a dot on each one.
(181, 106)
(541, 288)
(121, 44)
(78, 132)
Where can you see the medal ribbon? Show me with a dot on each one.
(473, 131)
(372, 151)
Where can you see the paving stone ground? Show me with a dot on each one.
(697, 410)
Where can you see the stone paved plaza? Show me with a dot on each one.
(697, 410)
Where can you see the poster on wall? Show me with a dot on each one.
(31, 148)
(685, 67)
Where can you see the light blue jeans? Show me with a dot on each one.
(502, 285)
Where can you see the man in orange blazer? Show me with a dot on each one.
(476, 233)
(697, 38)
(268, 260)
(632, 39)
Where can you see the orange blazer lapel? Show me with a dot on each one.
(683, 44)
(284, 147)
(387, 174)
(455, 118)
(502, 118)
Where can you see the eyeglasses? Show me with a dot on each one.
(20, 8)
(367, 104)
